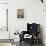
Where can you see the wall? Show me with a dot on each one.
(34, 12)
(3, 1)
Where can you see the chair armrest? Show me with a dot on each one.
(24, 32)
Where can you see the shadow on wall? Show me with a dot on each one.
(41, 34)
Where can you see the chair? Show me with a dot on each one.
(33, 30)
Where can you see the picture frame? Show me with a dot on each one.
(21, 13)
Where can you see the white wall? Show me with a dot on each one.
(34, 12)
(3, 1)
(44, 1)
(29, 6)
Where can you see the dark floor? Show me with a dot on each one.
(29, 44)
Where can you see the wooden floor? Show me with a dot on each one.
(6, 44)
(6, 40)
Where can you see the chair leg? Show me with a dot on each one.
(20, 42)
(32, 44)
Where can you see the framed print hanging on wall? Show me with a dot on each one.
(20, 13)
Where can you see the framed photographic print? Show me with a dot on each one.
(20, 13)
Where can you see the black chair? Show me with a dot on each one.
(32, 29)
